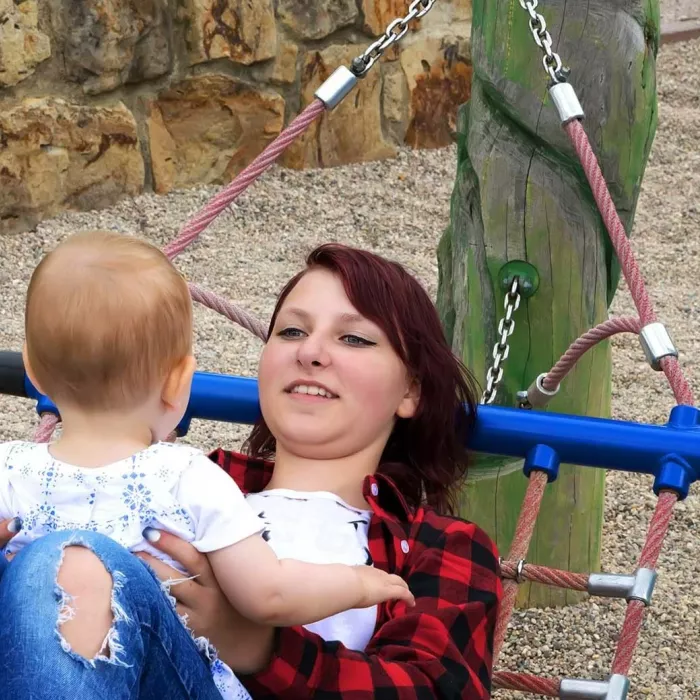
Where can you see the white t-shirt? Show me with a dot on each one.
(320, 528)
(166, 486)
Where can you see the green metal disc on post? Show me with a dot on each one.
(528, 277)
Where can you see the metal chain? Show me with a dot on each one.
(538, 26)
(501, 349)
(396, 30)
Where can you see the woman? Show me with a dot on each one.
(363, 414)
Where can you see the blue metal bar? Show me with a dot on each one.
(671, 453)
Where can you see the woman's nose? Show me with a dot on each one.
(313, 353)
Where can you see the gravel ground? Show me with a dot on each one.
(679, 10)
(399, 208)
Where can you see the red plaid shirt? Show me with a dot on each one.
(442, 648)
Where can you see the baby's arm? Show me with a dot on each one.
(289, 592)
(259, 585)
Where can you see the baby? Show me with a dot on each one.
(109, 339)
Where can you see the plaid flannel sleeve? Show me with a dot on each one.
(442, 648)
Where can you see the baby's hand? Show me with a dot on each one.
(376, 587)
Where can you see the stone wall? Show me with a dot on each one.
(103, 99)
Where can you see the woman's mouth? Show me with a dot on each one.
(312, 390)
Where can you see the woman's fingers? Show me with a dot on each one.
(184, 590)
(8, 529)
(183, 552)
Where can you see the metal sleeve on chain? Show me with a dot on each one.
(657, 344)
(566, 101)
(336, 87)
(537, 395)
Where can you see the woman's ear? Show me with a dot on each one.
(179, 382)
(28, 369)
(409, 404)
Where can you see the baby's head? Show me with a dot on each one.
(108, 328)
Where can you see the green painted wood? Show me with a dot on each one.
(520, 194)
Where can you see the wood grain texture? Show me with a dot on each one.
(520, 195)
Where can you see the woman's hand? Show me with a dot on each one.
(244, 645)
(8, 529)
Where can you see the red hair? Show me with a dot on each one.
(426, 455)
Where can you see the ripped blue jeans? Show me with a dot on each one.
(152, 656)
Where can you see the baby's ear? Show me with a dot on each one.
(179, 381)
(28, 369)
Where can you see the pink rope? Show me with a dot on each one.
(681, 389)
(231, 311)
(246, 177)
(46, 427)
(545, 575)
(525, 683)
(634, 616)
(618, 236)
(625, 324)
(518, 550)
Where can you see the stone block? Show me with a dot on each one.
(22, 45)
(241, 30)
(55, 155)
(113, 42)
(208, 128)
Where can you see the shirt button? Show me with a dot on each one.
(375, 490)
(404, 546)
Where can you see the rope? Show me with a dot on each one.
(625, 324)
(231, 311)
(618, 236)
(518, 550)
(46, 426)
(505, 680)
(545, 575)
(634, 615)
(191, 230)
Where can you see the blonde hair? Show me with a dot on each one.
(107, 318)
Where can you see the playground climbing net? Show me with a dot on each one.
(635, 588)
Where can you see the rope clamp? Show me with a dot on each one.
(639, 586)
(615, 688)
(537, 396)
(337, 86)
(657, 344)
(567, 103)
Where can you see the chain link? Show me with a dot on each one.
(538, 26)
(501, 350)
(395, 31)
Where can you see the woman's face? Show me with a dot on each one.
(330, 383)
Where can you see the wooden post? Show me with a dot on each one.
(520, 194)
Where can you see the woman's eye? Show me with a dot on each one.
(291, 333)
(357, 340)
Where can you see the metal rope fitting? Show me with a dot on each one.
(537, 395)
(336, 87)
(519, 571)
(565, 100)
(657, 344)
(639, 586)
(615, 688)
